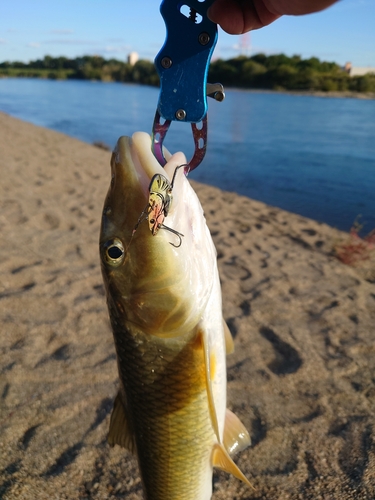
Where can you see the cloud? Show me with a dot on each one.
(115, 40)
(2, 41)
(228, 48)
(64, 41)
(62, 32)
(121, 48)
(33, 45)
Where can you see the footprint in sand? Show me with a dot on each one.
(11, 213)
(287, 360)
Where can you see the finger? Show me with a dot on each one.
(257, 15)
(239, 16)
(228, 14)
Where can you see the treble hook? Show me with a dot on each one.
(159, 203)
(162, 226)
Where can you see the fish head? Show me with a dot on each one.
(150, 281)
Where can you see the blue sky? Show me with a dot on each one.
(31, 29)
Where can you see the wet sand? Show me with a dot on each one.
(301, 378)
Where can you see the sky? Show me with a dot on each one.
(31, 29)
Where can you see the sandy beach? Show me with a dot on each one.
(301, 378)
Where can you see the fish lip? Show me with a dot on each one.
(144, 161)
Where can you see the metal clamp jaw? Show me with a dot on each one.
(182, 64)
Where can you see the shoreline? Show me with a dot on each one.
(311, 93)
(345, 94)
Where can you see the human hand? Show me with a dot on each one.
(239, 16)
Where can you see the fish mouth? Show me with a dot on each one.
(144, 165)
(133, 165)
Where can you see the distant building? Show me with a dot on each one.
(357, 71)
(133, 58)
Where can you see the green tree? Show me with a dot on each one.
(251, 72)
(145, 72)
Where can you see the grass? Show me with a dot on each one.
(358, 252)
(35, 73)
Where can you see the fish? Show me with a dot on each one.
(165, 308)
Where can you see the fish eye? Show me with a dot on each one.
(152, 221)
(114, 251)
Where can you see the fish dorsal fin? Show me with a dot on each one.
(211, 402)
(236, 438)
(222, 460)
(119, 431)
(229, 344)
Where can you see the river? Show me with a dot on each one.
(310, 155)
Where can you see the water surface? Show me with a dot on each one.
(309, 155)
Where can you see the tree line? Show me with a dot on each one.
(275, 72)
(280, 72)
(83, 68)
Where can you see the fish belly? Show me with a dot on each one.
(166, 403)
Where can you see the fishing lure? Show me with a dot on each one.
(159, 203)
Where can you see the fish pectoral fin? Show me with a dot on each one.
(229, 344)
(119, 431)
(236, 438)
(210, 396)
(222, 460)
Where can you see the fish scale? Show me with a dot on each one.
(166, 396)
